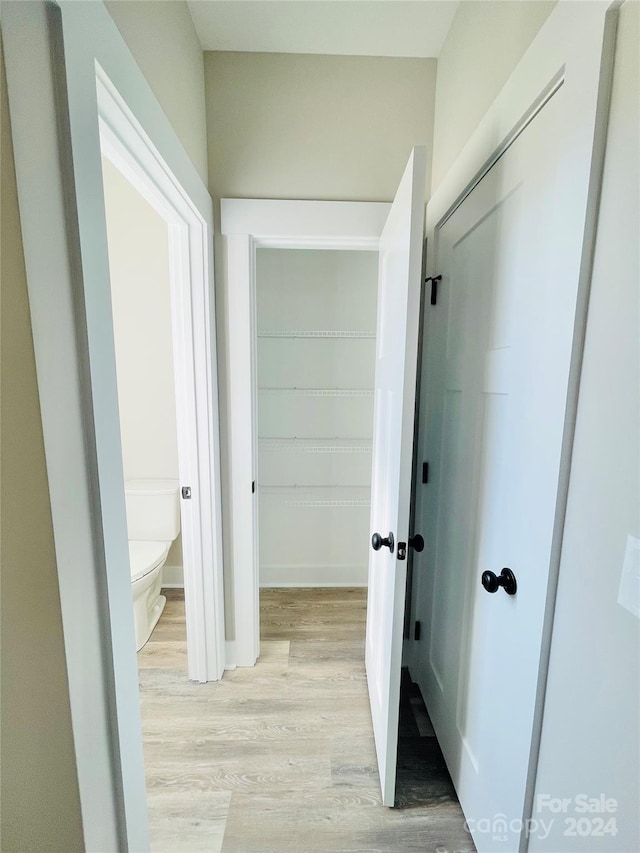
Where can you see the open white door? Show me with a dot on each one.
(399, 285)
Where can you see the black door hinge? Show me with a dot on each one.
(416, 631)
(425, 472)
(253, 487)
(434, 279)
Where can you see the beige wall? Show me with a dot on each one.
(486, 41)
(319, 127)
(39, 787)
(590, 736)
(314, 127)
(161, 36)
(138, 244)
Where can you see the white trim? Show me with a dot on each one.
(296, 574)
(172, 577)
(307, 220)
(248, 224)
(126, 145)
(536, 77)
(242, 469)
(229, 655)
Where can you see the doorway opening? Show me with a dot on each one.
(140, 275)
(323, 457)
(172, 338)
(316, 321)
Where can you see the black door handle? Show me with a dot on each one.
(377, 542)
(506, 579)
(416, 542)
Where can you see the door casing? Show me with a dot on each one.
(194, 356)
(249, 224)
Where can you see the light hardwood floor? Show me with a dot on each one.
(280, 758)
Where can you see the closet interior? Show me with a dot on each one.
(316, 329)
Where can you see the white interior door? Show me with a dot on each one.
(501, 339)
(399, 282)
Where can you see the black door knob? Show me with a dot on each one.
(506, 579)
(416, 542)
(377, 542)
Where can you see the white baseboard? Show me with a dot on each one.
(313, 575)
(230, 654)
(173, 577)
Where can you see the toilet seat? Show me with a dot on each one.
(144, 557)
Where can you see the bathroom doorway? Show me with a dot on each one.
(168, 417)
(140, 275)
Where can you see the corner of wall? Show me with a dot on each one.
(486, 41)
(163, 41)
(40, 797)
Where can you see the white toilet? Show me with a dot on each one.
(153, 521)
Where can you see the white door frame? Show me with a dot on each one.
(249, 224)
(57, 59)
(124, 144)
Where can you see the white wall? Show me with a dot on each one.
(591, 734)
(486, 41)
(315, 450)
(140, 293)
(39, 784)
(161, 36)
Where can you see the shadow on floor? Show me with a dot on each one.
(422, 775)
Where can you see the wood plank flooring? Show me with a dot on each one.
(280, 758)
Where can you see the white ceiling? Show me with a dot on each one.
(347, 27)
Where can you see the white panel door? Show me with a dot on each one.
(500, 351)
(399, 282)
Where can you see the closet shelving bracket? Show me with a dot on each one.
(316, 445)
(320, 392)
(316, 333)
(305, 496)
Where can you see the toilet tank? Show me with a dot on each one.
(153, 509)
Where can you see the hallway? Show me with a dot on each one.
(280, 758)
